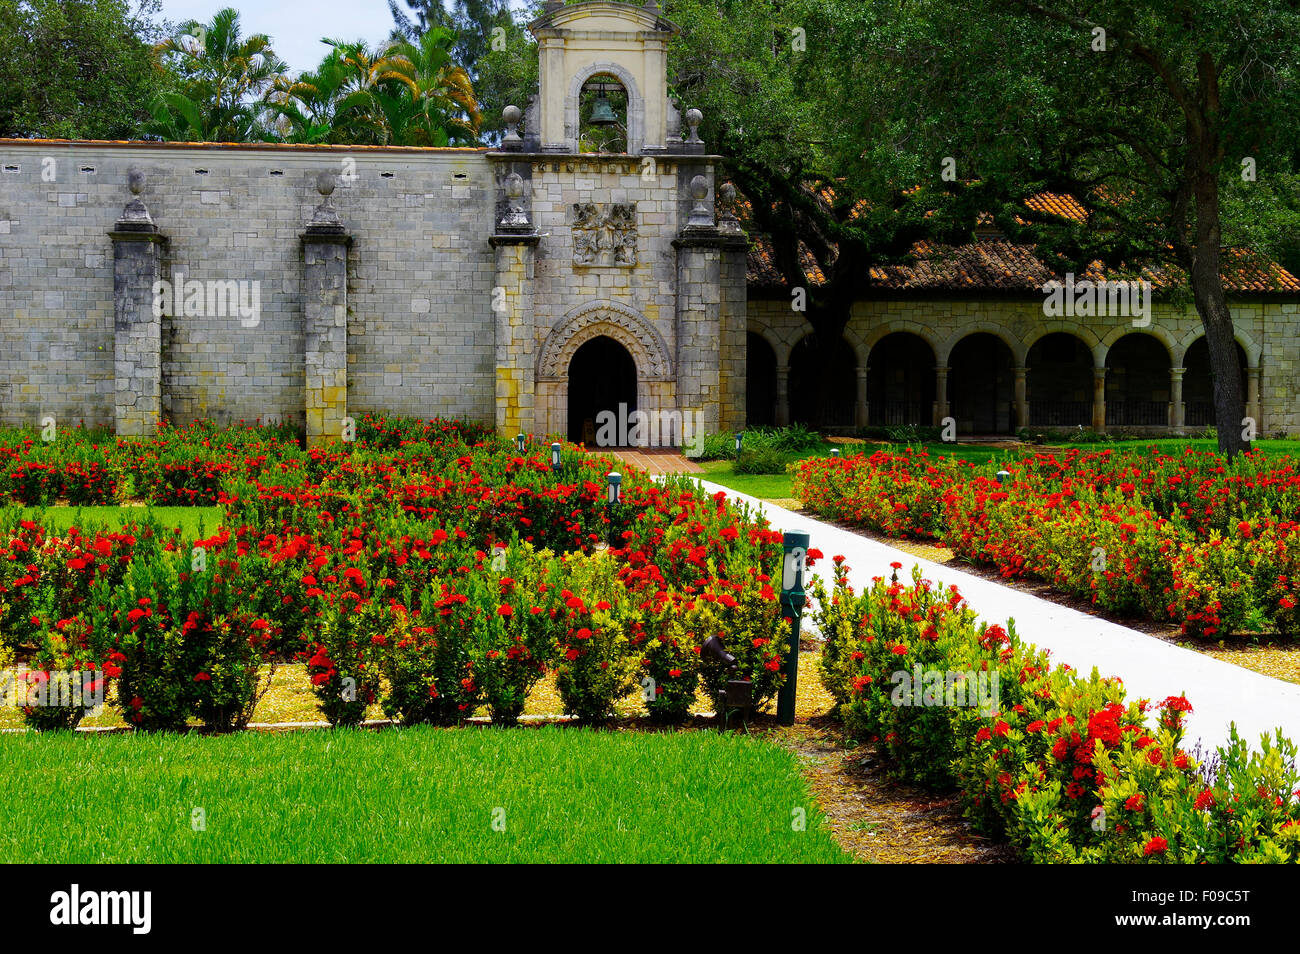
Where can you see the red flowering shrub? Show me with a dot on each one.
(369, 562)
(1193, 538)
(1063, 767)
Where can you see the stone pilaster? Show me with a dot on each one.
(137, 324)
(860, 412)
(1021, 398)
(1252, 399)
(1177, 410)
(325, 319)
(1099, 400)
(941, 408)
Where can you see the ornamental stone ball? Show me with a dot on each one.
(728, 194)
(514, 186)
(135, 181)
(699, 188)
(325, 183)
(512, 115)
(693, 119)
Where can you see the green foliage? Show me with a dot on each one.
(220, 75)
(76, 69)
(766, 460)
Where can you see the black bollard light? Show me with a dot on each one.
(521, 443)
(555, 458)
(613, 497)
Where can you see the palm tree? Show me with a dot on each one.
(400, 94)
(220, 78)
(445, 109)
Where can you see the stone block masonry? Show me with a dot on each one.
(417, 318)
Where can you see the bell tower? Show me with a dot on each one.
(618, 288)
(624, 42)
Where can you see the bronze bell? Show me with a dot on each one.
(602, 113)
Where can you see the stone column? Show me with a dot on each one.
(137, 324)
(862, 415)
(1022, 402)
(941, 409)
(1099, 400)
(1253, 409)
(1177, 410)
(515, 241)
(783, 395)
(325, 319)
(733, 313)
(700, 246)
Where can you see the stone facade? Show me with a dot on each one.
(309, 284)
(1266, 332)
(142, 282)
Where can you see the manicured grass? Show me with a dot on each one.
(762, 486)
(412, 795)
(194, 522)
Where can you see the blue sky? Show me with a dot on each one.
(296, 26)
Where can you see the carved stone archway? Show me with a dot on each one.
(656, 382)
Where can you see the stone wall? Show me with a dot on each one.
(419, 276)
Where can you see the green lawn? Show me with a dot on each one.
(560, 794)
(194, 522)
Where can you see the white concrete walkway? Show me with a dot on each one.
(1219, 692)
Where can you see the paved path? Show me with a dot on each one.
(652, 460)
(1149, 667)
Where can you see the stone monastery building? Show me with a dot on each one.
(535, 284)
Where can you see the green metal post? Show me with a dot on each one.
(792, 603)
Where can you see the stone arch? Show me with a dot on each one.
(1017, 346)
(780, 347)
(1163, 335)
(823, 382)
(1057, 326)
(635, 103)
(656, 387)
(887, 328)
(900, 385)
(1248, 345)
(625, 325)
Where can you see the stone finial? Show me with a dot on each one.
(512, 115)
(700, 217)
(135, 217)
(693, 119)
(326, 217)
(727, 221)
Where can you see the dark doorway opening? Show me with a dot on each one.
(823, 382)
(1137, 382)
(1059, 382)
(980, 385)
(602, 376)
(760, 382)
(1198, 384)
(900, 384)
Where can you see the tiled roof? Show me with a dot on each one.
(992, 263)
